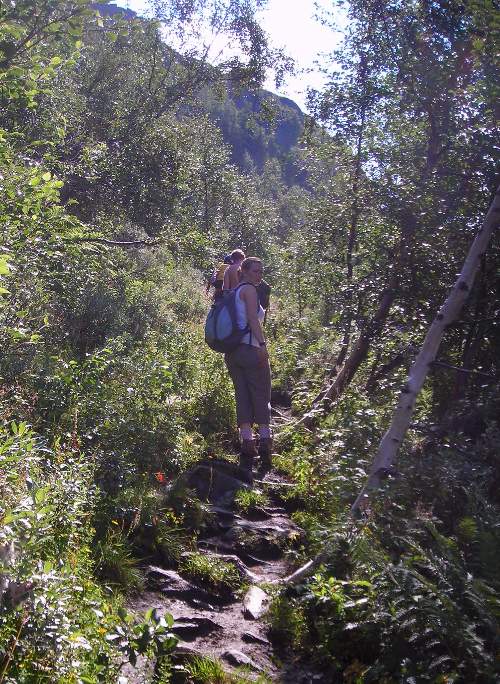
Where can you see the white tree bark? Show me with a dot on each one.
(304, 571)
(394, 436)
(392, 439)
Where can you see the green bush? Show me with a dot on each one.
(211, 407)
(222, 577)
(46, 501)
(288, 622)
(247, 499)
(56, 620)
(115, 564)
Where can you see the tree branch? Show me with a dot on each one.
(303, 571)
(116, 243)
(442, 364)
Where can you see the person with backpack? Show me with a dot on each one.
(248, 366)
(217, 278)
(232, 273)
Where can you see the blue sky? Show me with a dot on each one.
(292, 26)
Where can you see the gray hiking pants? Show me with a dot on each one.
(252, 385)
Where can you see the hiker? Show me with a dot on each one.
(217, 279)
(248, 366)
(232, 274)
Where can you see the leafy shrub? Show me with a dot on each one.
(57, 621)
(220, 576)
(46, 499)
(141, 517)
(246, 499)
(192, 513)
(211, 407)
(288, 622)
(421, 614)
(115, 563)
(204, 670)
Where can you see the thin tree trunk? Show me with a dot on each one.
(353, 362)
(362, 346)
(474, 337)
(373, 374)
(360, 351)
(389, 445)
(394, 436)
(351, 242)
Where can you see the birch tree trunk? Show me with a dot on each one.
(392, 439)
(394, 436)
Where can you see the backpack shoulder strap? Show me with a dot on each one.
(241, 285)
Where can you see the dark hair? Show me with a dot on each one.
(227, 259)
(237, 255)
(246, 263)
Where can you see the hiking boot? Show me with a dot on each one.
(247, 454)
(265, 453)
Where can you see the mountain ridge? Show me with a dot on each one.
(258, 126)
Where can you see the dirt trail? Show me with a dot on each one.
(231, 629)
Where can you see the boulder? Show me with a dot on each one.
(253, 540)
(216, 481)
(170, 583)
(190, 628)
(252, 638)
(237, 658)
(254, 603)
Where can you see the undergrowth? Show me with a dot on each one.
(204, 670)
(219, 575)
(56, 620)
(248, 499)
(410, 593)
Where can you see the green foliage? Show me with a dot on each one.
(204, 670)
(115, 564)
(211, 407)
(142, 523)
(108, 392)
(288, 622)
(412, 589)
(56, 618)
(152, 637)
(221, 576)
(247, 499)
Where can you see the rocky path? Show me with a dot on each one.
(229, 627)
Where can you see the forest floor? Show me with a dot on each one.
(230, 627)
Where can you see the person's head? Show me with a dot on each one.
(237, 256)
(252, 270)
(227, 259)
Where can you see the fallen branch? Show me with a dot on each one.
(304, 571)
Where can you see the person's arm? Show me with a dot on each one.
(249, 296)
(226, 283)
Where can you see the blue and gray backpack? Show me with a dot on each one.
(221, 327)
